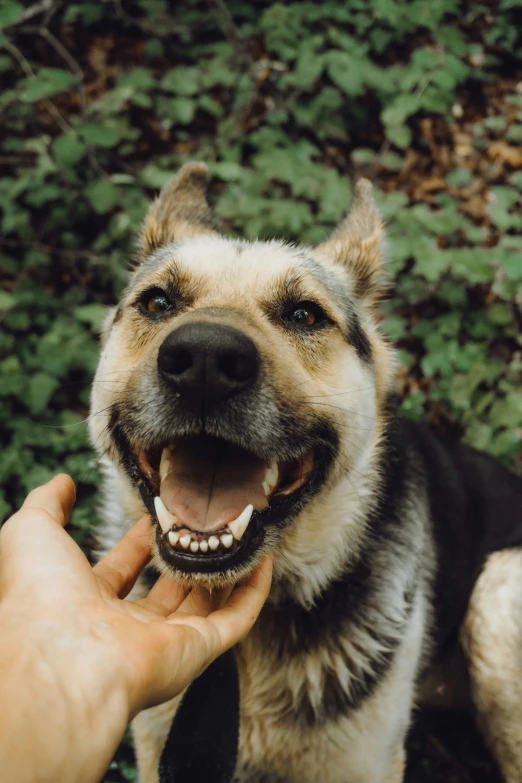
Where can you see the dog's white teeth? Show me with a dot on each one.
(213, 542)
(227, 540)
(203, 545)
(185, 541)
(239, 525)
(165, 518)
(173, 538)
(271, 476)
(266, 488)
(194, 546)
(166, 456)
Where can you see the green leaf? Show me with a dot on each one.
(6, 301)
(10, 12)
(346, 72)
(138, 79)
(510, 257)
(182, 81)
(47, 82)
(400, 135)
(459, 177)
(100, 135)
(92, 314)
(41, 387)
(177, 109)
(102, 195)
(430, 262)
(401, 108)
(501, 314)
(68, 150)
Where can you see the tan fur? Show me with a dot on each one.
(358, 243)
(492, 639)
(398, 767)
(181, 211)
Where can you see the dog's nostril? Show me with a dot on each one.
(180, 362)
(207, 363)
(237, 368)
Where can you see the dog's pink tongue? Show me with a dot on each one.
(210, 483)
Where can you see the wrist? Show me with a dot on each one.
(62, 698)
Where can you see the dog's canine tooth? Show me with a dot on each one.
(203, 545)
(213, 542)
(239, 525)
(266, 488)
(227, 540)
(165, 518)
(166, 455)
(173, 537)
(194, 546)
(272, 474)
(185, 541)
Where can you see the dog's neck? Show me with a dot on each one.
(335, 521)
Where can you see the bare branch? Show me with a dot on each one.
(26, 67)
(231, 31)
(75, 67)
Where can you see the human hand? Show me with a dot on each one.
(69, 631)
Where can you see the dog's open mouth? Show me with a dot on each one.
(213, 499)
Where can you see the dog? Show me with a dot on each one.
(245, 398)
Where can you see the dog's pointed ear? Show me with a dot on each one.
(358, 242)
(180, 211)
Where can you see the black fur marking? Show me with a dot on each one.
(202, 743)
(150, 576)
(118, 314)
(357, 337)
(475, 507)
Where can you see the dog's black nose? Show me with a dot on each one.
(207, 363)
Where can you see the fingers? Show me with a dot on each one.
(33, 544)
(120, 568)
(166, 596)
(231, 613)
(54, 499)
(200, 602)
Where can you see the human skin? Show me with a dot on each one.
(77, 661)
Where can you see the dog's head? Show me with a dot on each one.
(238, 380)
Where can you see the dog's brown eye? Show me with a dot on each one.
(156, 301)
(303, 316)
(306, 314)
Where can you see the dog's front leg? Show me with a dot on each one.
(492, 641)
(150, 728)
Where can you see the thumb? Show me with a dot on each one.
(32, 542)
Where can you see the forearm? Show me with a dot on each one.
(51, 729)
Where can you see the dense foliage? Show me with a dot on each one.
(288, 102)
